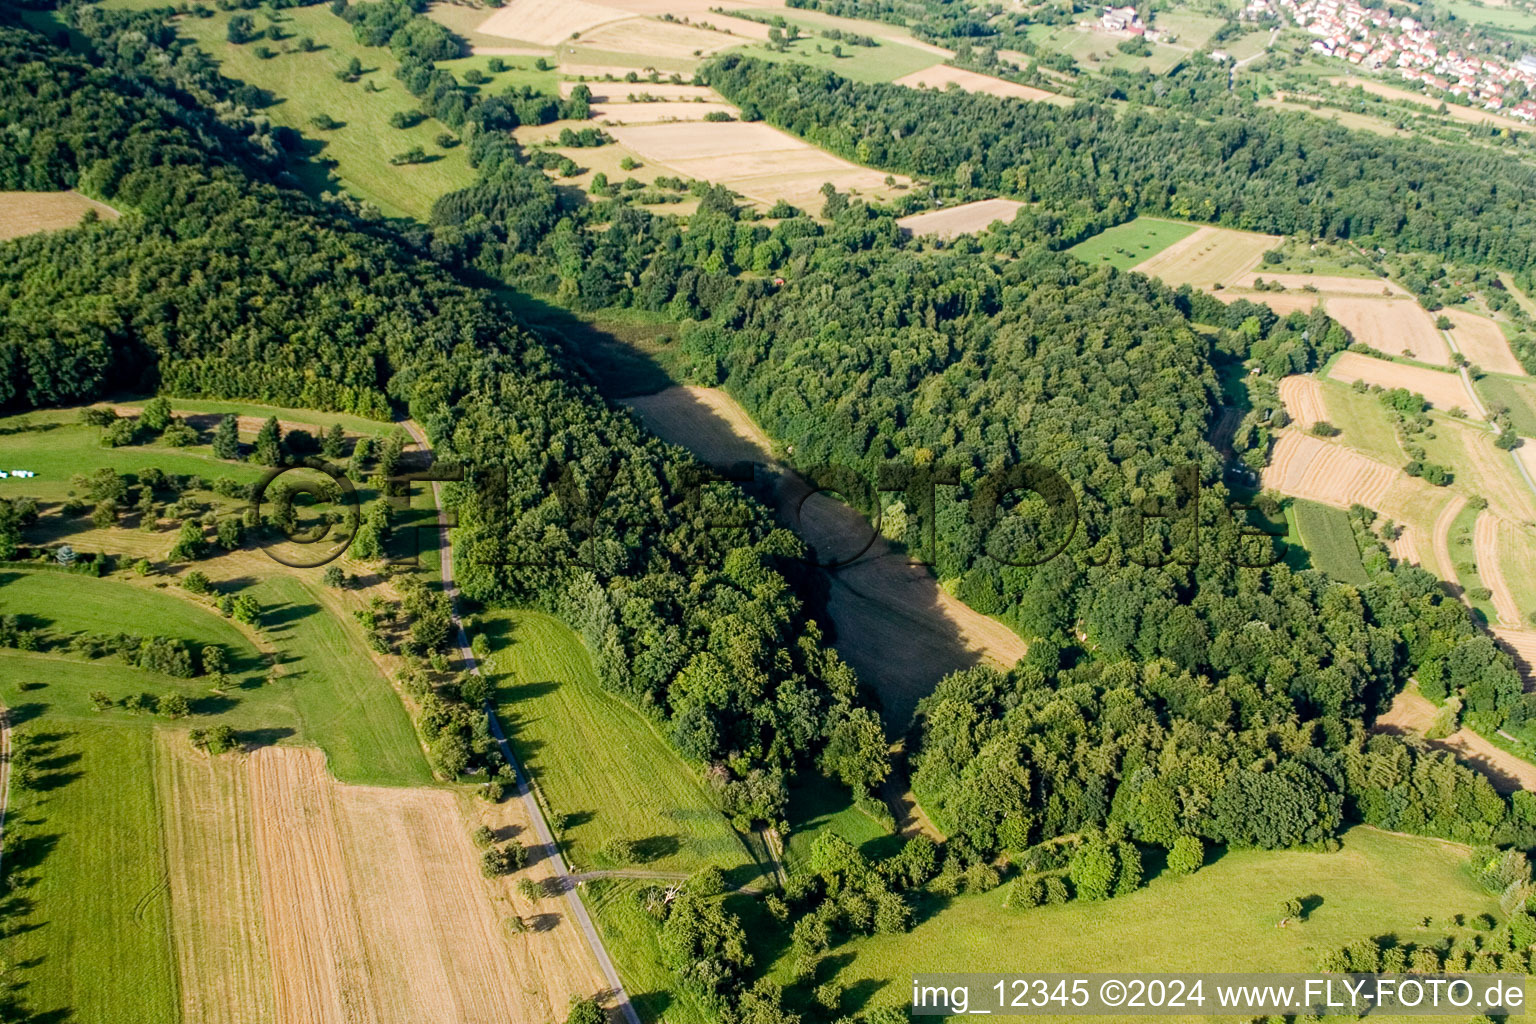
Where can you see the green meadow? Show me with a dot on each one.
(597, 760)
(1125, 245)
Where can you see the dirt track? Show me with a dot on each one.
(1412, 714)
(377, 913)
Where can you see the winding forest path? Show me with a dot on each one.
(551, 849)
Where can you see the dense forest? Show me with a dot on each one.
(218, 284)
(1181, 687)
(1264, 171)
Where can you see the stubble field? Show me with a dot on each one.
(1442, 389)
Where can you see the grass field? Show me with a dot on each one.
(1502, 16)
(1208, 256)
(1464, 560)
(819, 804)
(307, 86)
(884, 62)
(631, 938)
(1223, 917)
(1125, 245)
(1365, 421)
(324, 692)
(1096, 51)
(1518, 395)
(1327, 535)
(597, 760)
(55, 445)
(94, 935)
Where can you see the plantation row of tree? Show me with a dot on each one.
(697, 625)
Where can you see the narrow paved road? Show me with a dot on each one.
(568, 882)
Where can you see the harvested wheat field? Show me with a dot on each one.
(898, 628)
(1487, 544)
(215, 888)
(27, 213)
(549, 22)
(942, 76)
(1443, 390)
(1308, 467)
(656, 113)
(645, 37)
(376, 910)
(1521, 644)
(964, 219)
(1483, 343)
(1398, 327)
(628, 92)
(1208, 257)
(1411, 714)
(1440, 541)
(1526, 453)
(1303, 399)
(1373, 286)
(1405, 547)
(1483, 470)
(759, 161)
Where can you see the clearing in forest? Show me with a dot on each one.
(1441, 389)
(752, 158)
(1483, 343)
(1125, 245)
(965, 219)
(1329, 538)
(881, 603)
(1208, 257)
(376, 910)
(27, 213)
(942, 76)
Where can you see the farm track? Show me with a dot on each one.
(549, 849)
(1411, 714)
